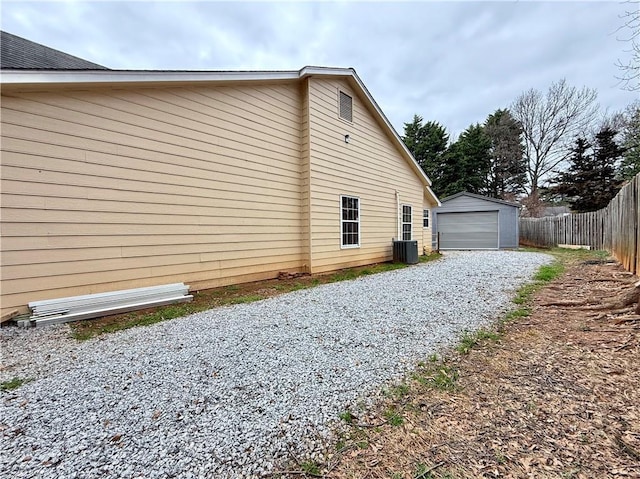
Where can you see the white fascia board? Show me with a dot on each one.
(328, 71)
(110, 76)
(433, 195)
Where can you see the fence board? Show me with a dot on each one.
(613, 228)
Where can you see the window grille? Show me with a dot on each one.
(349, 222)
(406, 222)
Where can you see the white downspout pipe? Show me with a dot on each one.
(398, 235)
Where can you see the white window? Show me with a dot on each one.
(406, 222)
(349, 222)
(425, 218)
(346, 107)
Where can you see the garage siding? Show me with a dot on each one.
(507, 214)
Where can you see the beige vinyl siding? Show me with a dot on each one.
(370, 167)
(120, 188)
(427, 233)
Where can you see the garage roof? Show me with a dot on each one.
(480, 197)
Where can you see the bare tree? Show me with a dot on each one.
(550, 123)
(630, 32)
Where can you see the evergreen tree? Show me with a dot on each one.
(607, 154)
(507, 168)
(591, 181)
(451, 180)
(427, 143)
(466, 163)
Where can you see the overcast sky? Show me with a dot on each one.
(451, 62)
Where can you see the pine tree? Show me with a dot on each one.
(591, 181)
(427, 143)
(466, 163)
(607, 154)
(507, 168)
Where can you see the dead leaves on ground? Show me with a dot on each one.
(557, 397)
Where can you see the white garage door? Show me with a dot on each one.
(478, 230)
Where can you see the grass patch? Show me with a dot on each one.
(525, 293)
(549, 272)
(250, 298)
(13, 383)
(445, 378)
(346, 416)
(393, 417)
(310, 467)
(425, 258)
(438, 376)
(400, 391)
(470, 340)
(517, 313)
(422, 472)
(567, 256)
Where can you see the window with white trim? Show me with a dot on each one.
(346, 107)
(349, 222)
(425, 218)
(407, 223)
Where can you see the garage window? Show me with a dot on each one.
(425, 218)
(406, 222)
(349, 222)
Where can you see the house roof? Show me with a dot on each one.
(69, 70)
(480, 197)
(556, 210)
(17, 53)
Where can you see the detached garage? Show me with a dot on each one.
(470, 221)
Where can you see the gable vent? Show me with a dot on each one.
(346, 107)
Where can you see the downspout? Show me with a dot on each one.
(398, 215)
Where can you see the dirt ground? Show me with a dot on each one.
(557, 396)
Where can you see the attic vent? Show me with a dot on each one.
(346, 107)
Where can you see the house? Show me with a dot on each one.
(116, 179)
(556, 211)
(470, 221)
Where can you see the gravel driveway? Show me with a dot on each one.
(225, 393)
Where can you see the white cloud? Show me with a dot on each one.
(454, 63)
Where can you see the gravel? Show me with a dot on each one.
(233, 391)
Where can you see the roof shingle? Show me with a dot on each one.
(17, 53)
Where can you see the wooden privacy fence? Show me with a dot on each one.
(614, 228)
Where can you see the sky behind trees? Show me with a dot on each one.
(453, 62)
